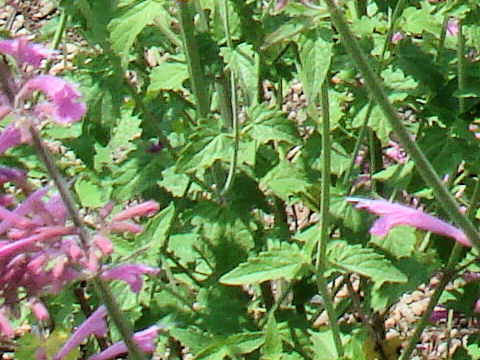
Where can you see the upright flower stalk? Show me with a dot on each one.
(40, 251)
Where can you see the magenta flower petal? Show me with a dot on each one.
(95, 324)
(63, 96)
(131, 274)
(398, 36)
(10, 137)
(452, 26)
(24, 51)
(5, 326)
(392, 215)
(144, 340)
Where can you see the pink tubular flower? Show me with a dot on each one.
(25, 52)
(95, 324)
(144, 340)
(392, 215)
(146, 208)
(63, 106)
(452, 26)
(131, 274)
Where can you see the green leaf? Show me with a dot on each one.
(203, 153)
(285, 180)
(91, 195)
(400, 241)
(271, 125)
(416, 21)
(286, 31)
(315, 55)
(168, 76)
(155, 235)
(30, 343)
(125, 28)
(397, 175)
(281, 260)
(242, 62)
(233, 346)
(365, 262)
(323, 345)
(272, 348)
(121, 143)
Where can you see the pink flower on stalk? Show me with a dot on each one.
(281, 4)
(63, 96)
(144, 339)
(146, 208)
(397, 37)
(452, 26)
(94, 324)
(131, 274)
(24, 51)
(392, 215)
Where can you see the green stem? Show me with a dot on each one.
(102, 289)
(324, 221)
(195, 69)
(233, 91)
(461, 67)
(60, 29)
(374, 87)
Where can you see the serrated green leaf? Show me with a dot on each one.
(288, 30)
(365, 262)
(242, 62)
(397, 175)
(91, 195)
(168, 76)
(121, 143)
(323, 345)
(400, 241)
(233, 346)
(285, 180)
(416, 21)
(271, 125)
(125, 28)
(315, 55)
(284, 260)
(272, 348)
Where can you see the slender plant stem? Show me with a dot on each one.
(60, 29)
(324, 221)
(234, 106)
(461, 67)
(374, 87)
(101, 287)
(197, 78)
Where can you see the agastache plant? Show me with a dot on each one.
(40, 250)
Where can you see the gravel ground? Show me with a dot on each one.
(27, 17)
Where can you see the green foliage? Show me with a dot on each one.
(237, 234)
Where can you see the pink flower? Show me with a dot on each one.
(398, 36)
(95, 324)
(131, 274)
(10, 137)
(144, 339)
(392, 215)
(146, 208)
(63, 106)
(24, 52)
(452, 26)
(281, 4)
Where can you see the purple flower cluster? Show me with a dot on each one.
(61, 98)
(40, 251)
